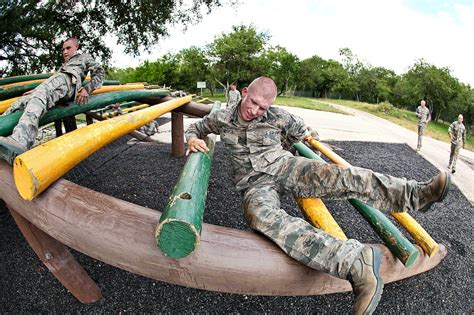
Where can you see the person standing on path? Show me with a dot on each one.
(254, 132)
(457, 133)
(423, 114)
(233, 98)
(64, 85)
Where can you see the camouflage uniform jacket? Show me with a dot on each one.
(423, 114)
(78, 66)
(255, 148)
(457, 132)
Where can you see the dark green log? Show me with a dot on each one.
(23, 78)
(386, 230)
(8, 122)
(179, 231)
(18, 90)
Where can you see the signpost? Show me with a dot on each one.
(201, 85)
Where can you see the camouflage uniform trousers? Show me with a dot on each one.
(305, 178)
(421, 131)
(35, 105)
(453, 157)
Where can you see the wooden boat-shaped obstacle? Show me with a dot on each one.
(121, 234)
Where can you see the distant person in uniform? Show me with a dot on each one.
(254, 131)
(457, 133)
(64, 85)
(233, 97)
(423, 114)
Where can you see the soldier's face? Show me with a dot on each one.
(69, 49)
(253, 105)
(422, 103)
(460, 119)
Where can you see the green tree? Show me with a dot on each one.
(236, 56)
(32, 31)
(193, 66)
(353, 66)
(435, 85)
(282, 66)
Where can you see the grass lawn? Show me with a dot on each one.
(407, 119)
(302, 102)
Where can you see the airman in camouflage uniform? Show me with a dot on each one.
(233, 98)
(457, 133)
(64, 85)
(423, 113)
(254, 132)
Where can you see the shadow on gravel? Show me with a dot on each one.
(145, 174)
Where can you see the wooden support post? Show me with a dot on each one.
(58, 126)
(59, 261)
(70, 123)
(177, 134)
(89, 120)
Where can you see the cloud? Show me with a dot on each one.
(392, 34)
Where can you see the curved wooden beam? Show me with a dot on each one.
(57, 258)
(121, 234)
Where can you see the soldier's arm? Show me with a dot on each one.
(418, 112)
(97, 75)
(450, 131)
(295, 129)
(197, 131)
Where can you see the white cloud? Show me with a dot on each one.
(384, 33)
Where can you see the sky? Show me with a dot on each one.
(387, 33)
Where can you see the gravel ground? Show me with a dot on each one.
(145, 173)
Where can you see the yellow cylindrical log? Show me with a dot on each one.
(39, 167)
(406, 220)
(6, 104)
(316, 212)
(112, 88)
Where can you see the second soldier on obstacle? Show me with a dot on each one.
(253, 131)
(65, 85)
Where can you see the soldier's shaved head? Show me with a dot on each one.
(258, 98)
(265, 87)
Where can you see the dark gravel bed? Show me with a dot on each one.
(145, 174)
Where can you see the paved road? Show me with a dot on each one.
(362, 126)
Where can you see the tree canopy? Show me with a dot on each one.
(32, 31)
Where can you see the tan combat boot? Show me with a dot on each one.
(366, 281)
(433, 191)
(10, 149)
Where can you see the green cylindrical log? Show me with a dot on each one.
(7, 123)
(18, 90)
(22, 78)
(398, 244)
(179, 230)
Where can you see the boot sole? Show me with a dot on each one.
(443, 195)
(377, 255)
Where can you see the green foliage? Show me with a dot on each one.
(33, 31)
(237, 56)
(282, 66)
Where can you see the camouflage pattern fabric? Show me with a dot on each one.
(457, 133)
(45, 96)
(263, 171)
(233, 98)
(78, 66)
(150, 129)
(423, 113)
(62, 86)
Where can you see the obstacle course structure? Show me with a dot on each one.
(121, 234)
